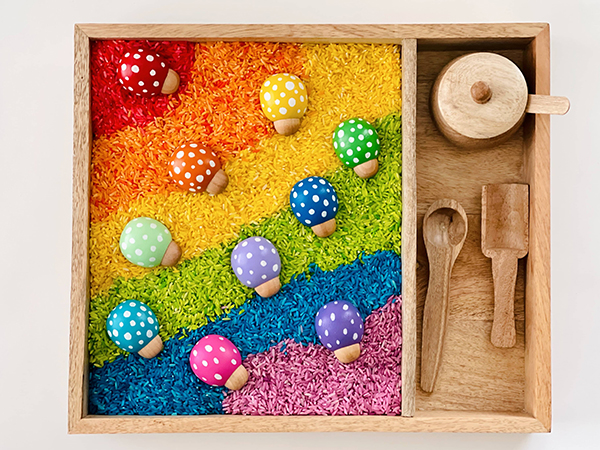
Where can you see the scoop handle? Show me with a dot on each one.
(435, 317)
(547, 104)
(504, 272)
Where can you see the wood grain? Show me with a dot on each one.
(424, 421)
(390, 33)
(538, 382)
(409, 225)
(78, 354)
(474, 375)
(548, 104)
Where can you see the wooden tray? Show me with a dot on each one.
(480, 388)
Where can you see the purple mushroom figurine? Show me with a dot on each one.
(256, 263)
(340, 329)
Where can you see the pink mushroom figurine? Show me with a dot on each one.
(216, 361)
(144, 72)
(340, 329)
(256, 264)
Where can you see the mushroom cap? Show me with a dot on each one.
(144, 241)
(193, 166)
(255, 261)
(214, 358)
(355, 141)
(131, 325)
(283, 96)
(314, 201)
(142, 72)
(339, 325)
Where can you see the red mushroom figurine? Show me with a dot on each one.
(144, 72)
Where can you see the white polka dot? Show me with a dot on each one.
(301, 85)
(205, 363)
(218, 377)
(292, 101)
(208, 172)
(332, 316)
(324, 214)
(248, 255)
(153, 248)
(326, 332)
(149, 333)
(356, 160)
(329, 345)
(311, 211)
(341, 133)
(275, 267)
(136, 56)
(352, 321)
(274, 87)
(263, 263)
(132, 323)
(153, 72)
(282, 110)
(352, 130)
(234, 362)
(320, 322)
(159, 238)
(290, 85)
(135, 69)
(150, 58)
(349, 152)
(244, 244)
(325, 202)
(267, 83)
(131, 240)
(188, 175)
(216, 360)
(240, 271)
(282, 94)
(141, 83)
(208, 348)
(138, 252)
(315, 198)
(345, 331)
(127, 314)
(195, 366)
(302, 98)
(150, 320)
(200, 178)
(195, 352)
(127, 336)
(116, 333)
(267, 96)
(335, 145)
(368, 154)
(355, 336)
(145, 237)
(153, 226)
(361, 137)
(211, 163)
(369, 144)
(264, 277)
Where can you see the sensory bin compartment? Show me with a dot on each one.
(480, 388)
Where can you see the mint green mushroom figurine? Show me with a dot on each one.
(147, 243)
(356, 143)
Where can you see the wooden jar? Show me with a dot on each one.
(479, 100)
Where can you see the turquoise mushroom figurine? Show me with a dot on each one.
(133, 327)
(315, 204)
(357, 145)
(148, 243)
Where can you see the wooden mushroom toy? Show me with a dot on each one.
(314, 202)
(216, 361)
(195, 168)
(357, 145)
(340, 329)
(133, 327)
(147, 243)
(283, 100)
(144, 72)
(479, 100)
(256, 264)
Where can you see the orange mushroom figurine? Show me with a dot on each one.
(195, 168)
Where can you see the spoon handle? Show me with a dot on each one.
(504, 271)
(435, 316)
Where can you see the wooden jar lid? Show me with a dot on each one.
(479, 99)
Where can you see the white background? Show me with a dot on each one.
(36, 67)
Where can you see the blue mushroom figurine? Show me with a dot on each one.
(133, 327)
(315, 204)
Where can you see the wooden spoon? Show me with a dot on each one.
(444, 231)
(505, 239)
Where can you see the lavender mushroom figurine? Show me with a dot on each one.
(340, 329)
(256, 263)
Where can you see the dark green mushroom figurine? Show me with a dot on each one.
(357, 145)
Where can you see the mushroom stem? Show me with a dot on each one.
(481, 92)
(287, 126)
(325, 229)
(218, 183)
(152, 348)
(268, 288)
(367, 169)
(172, 255)
(238, 379)
(171, 83)
(348, 354)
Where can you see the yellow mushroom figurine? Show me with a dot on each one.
(283, 100)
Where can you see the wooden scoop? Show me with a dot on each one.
(504, 238)
(444, 231)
